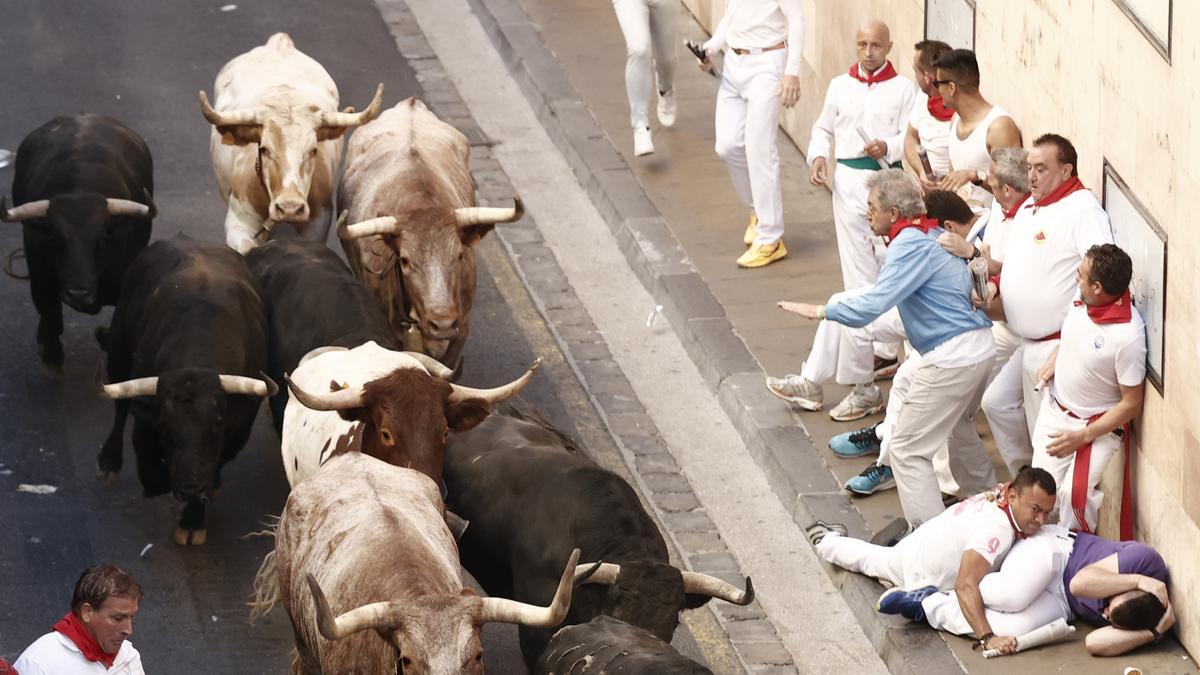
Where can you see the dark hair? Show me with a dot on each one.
(943, 205)
(961, 67)
(1029, 475)
(929, 51)
(1142, 611)
(1066, 151)
(1111, 267)
(100, 582)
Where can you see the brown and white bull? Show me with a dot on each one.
(395, 406)
(410, 165)
(370, 578)
(276, 141)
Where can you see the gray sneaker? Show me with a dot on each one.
(798, 390)
(858, 404)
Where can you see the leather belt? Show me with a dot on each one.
(757, 50)
(1056, 335)
(1063, 407)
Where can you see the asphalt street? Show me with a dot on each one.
(143, 61)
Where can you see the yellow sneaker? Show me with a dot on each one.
(751, 230)
(761, 255)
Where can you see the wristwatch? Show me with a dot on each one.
(983, 640)
(980, 177)
(974, 253)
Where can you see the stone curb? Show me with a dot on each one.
(752, 638)
(773, 433)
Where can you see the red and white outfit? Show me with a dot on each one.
(70, 650)
(1102, 349)
(972, 153)
(1048, 240)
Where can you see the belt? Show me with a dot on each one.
(1118, 432)
(757, 50)
(1056, 335)
(865, 163)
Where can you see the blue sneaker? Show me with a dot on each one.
(905, 603)
(873, 479)
(856, 443)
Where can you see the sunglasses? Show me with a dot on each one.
(938, 83)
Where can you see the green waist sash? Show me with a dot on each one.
(865, 163)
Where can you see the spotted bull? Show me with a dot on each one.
(276, 141)
(408, 191)
(83, 189)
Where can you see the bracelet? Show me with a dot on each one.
(821, 312)
(983, 640)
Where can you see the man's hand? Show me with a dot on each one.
(1167, 620)
(957, 179)
(927, 185)
(875, 149)
(1006, 644)
(1046, 372)
(818, 174)
(803, 309)
(1064, 443)
(956, 245)
(706, 65)
(1154, 587)
(984, 303)
(789, 90)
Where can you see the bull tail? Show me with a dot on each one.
(267, 592)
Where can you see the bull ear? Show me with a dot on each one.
(330, 133)
(240, 134)
(471, 234)
(467, 414)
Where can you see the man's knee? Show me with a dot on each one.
(638, 51)
(728, 148)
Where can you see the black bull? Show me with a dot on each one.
(187, 345)
(606, 645)
(530, 496)
(78, 185)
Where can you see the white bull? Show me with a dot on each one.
(276, 141)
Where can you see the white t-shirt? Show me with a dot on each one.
(1041, 261)
(933, 133)
(1094, 360)
(972, 153)
(750, 24)
(998, 228)
(55, 654)
(934, 550)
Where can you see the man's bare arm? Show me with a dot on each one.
(970, 572)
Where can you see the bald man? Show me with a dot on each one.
(871, 97)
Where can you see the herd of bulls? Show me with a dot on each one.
(370, 542)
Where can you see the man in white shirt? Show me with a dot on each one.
(929, 123)
(1097, 377)
(765, 40)
(93, 638)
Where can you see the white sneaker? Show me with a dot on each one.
(794, 388)
(666, 108)
(861, 401)
(642, 143)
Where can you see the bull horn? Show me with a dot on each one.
(126, 207)
(366, 228)
(483, 215)
(605, 575)
(703, 584)
(353, 119)
(25, 211)
(251, 386)
(343, 399)
(226, 118)
(142, 386)
(436, 368)
(503, 610)
(496, 395)
(377, 615)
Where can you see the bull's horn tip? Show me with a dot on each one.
(748, 596)
(537, 363)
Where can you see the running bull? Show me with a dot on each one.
(186, 350)
(511, 466)
(607, 645)
(276, 141)
(83, 189)
(413, 167)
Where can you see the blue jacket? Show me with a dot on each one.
(931, 287)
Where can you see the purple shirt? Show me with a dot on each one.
(1133, 557)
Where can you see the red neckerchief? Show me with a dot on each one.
(1117, 311)
(73, 628)
(887, 72)
(1061, 191)
(921, 223)
(938, 109)
(1009, 213)
(1002, 504)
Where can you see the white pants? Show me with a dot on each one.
(651, 29)
(747, 122)
(859, 249)
(900, 384)
(940, 404)
(847, 353)
(904, 565)
(1052, 419)
(1002, 401)
(1025, 593)
(1033, 355)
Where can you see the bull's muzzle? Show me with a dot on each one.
(80, 299)
(289, 210)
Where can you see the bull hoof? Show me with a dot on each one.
(190, 537)
(52, 356)
(107, 477)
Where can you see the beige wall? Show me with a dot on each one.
(1081, 68)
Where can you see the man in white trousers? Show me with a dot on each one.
(953, 551)
(1097, 379)
(765, 40)
(651, 30)
(929, 122)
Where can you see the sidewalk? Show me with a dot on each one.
(680, 225)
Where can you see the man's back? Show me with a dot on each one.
(935, 549)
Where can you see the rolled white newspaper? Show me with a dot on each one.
(866, 141)
(979, 276)
(1055, 630)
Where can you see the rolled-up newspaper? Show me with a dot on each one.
(979, 276)
(867, 140)
(928, 168)
(1055, 630)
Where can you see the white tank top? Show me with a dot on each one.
(972, 153)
